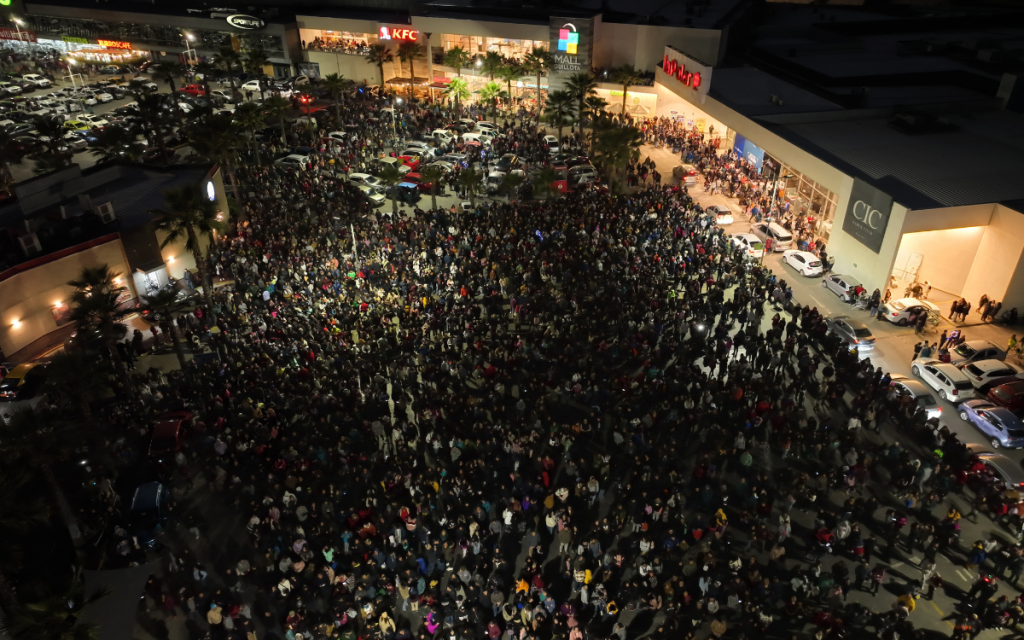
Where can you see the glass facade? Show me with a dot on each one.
(154, 35)
(810, 198)
(337, 41)
(509, 48)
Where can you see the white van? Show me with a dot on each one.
(781, 239)
(388, 161)
(442, 136)
(477, 136)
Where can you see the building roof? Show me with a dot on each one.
(750, 91)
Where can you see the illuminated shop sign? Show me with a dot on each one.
(393, 33)
(679, 72)
(568, 39)
(689, 71)
(247, 22)
(114, 44)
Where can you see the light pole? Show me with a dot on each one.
(71, 74)
(17, 26)
(189, 59)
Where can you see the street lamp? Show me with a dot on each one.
(17, 25)
(189, 59)
(71, 74)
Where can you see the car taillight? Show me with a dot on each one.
(855, 341)
(978, 378)
(895, 313)
(955, 392)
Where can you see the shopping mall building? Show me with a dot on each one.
(899, 138)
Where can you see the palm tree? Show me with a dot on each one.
(510, 184)
(164, 307)
(379, 55)
(157, 120)
(538, 62)
(410, 51)
(205, 70)
(559, 110)
(73, 378)
(97, 311)
(490, 93)
(278, 107)
(490, 64)
(168, 71)
(615, 146)
(51, 129)
(433, 174)
(254, 62)
(392, 177)
(458, 90)
(191, 216)
(626, 75)
(544, 180)
(336, 85)
(47, 161)
(116, 143)
(57, 616)
(470, 180)
(215, 137)
(510, 73)
(250, 116)
(228, 57)
(581, 86)
(10, 153)
(459, 58)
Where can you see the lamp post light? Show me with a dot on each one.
(17, 26)
(190, 53)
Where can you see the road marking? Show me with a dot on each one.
(966, 577)
(943, 614)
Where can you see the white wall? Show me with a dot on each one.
(947, 255)
(438, 26)
(998, 270)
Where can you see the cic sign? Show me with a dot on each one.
(867, 215)
(689, 71)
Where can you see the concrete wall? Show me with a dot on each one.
(998, 269)
(947, 255)
(353, 67)
(28, 296)
(438, 26)
(643, 46)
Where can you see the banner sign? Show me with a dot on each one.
(867, 214)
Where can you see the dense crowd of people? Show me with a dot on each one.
(580, 417)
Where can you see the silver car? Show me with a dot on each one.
(922, 395)
(853, 332)
(842, 286)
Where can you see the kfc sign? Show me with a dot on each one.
(692, 73)
(392, 33)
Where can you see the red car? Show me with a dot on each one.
(1009, 395)
(193, 90)
(169, 434)
(409, 161)
(418, 180)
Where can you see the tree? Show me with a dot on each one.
(626, 75)
(57, 616)
(459, 58)
(510, 183)
(254, 62)
(98, 313)
(432, 174)
(470, 180)
(458, 90)
(559, 110)
(215, 137)
(11, 152)
(490, 93)
(410, 51)
(52, 130)
(168, 71)
(581, 86)
(20, 511)
(336, 85)
(379, 55)
(203, 72)
(510, 73)
(615, 146)
(538, 62)
(544, 181)
(116, 143)
(156, 119)
(490, 64)
(190, 215)
(250, 116)
(74, 378)
(392, 177)
(46, 161)
(277, 107)
(230, 58)
(164, 307)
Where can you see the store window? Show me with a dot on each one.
(508, 48)
(350, 42)
(809, 200)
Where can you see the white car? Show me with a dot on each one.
(552, 144)
(805, 262)
(750, 244)
(442, 136)
(338, 135)
(93, 120)
(75, 142)
(36, 79)
(842, 286)
(417, 144)
(252, 85)
(487, 125)
(104, 97)
(906, 310)
(950, 382)
(221, 93)
(376, 199)
(723, 214)
(476, 136)
(88, 98)
(293, 160)
(365, 179)
(10, 88)
(984, 372)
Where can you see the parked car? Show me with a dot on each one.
(974, 351)
(374, 197)
(552, 143)
(418, 180)
(842, 286)
(722, 214)
(169, 434)
(148, 513)
(393, 162)
(93, 120)
(510, 161)
(853, 332)
(750, 244)
(36, 79)
(581, 173)
(949, 381)
(1009, 395)
(366, 179)
(987, 374)
(805, 262)
(906, 310)
(293, 160)
(1005, 471)
(922, 395)
(782, 240)
(193, 90)
(23, 381)
(413, 162)
(1002, 426)
(486, 125)
(9, 88)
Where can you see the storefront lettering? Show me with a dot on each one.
(25, 35)
(75, 39)
(567, 63)
(114, 44)
(247, 22)
(679, 72)
(868, 214)
(390, 33)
